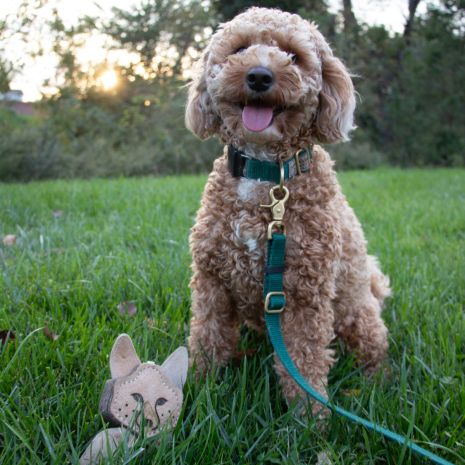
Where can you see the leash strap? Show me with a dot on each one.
(275, 299)
(274, 331)
(275, 302)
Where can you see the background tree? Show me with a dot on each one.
(410, 86)
(350, 21)
(161, 32)
(412, 9)
(6, 67)
(227, 10)
(17, 28)
(425, 103)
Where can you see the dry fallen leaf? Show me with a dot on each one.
(9, 239)
(127, 308)
(323, 459)
(50, 334)
(57, 250)
(57, 213)
(150, 323)
(6, 335)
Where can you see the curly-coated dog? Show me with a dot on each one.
(269, 86)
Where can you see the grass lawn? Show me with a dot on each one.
(83, 247)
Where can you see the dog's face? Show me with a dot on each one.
(269, 78)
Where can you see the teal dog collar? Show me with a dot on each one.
(242, 166)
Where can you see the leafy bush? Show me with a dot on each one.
(409, 114)
(81, 139)
(356, 156)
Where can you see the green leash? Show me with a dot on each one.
(275, 302)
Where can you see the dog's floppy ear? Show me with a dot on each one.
(199, 116)
(123, 357)
(335, 116)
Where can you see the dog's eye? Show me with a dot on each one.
(293, 57)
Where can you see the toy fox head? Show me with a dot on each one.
(138, 391)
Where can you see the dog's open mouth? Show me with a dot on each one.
(257, 118)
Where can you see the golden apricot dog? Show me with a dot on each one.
(268, 86)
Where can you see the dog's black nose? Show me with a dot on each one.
(259, 79)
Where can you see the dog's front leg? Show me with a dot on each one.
(307, 332)
(214, 329)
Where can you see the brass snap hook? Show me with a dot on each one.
(277, 205)
(284, 190)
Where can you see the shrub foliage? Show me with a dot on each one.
(409, 112)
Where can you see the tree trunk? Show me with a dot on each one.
(412, 9)
(350, 22)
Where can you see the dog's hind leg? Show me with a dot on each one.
(214, 328)
(357, 309)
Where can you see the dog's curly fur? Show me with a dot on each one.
(333, 287)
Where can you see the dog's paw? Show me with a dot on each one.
(380, 369)
(303, 407)
(200, 365)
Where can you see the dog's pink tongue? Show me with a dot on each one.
(257, 119)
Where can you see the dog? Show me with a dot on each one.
(268, 86)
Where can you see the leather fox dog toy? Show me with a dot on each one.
(136, 392)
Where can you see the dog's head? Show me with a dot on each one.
(139, 390)
(269, 78)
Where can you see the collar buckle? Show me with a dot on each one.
(236, 162)
(297, 161)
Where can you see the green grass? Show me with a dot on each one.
(127, 240)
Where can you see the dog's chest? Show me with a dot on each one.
(247, 237)
(247, 224)
(245, 261)
(249, 190)
(237, 245)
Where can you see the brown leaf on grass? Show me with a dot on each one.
(127, 308)
(58, 250)
(150, 323)
(323, 459)
(49, 334)
(57, 213)
(6, 335)
(9, 240)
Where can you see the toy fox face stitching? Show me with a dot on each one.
(152, 416)
(143, 393)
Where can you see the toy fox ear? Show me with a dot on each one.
(175, 367)
(123, 357)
